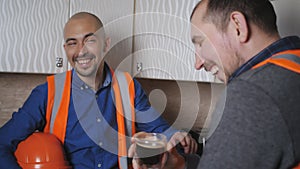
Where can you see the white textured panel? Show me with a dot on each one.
(31, 35)
(117, 17)
(288, 19)
(162, 40)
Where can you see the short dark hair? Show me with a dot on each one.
(259, 12)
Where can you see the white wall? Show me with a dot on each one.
(288, 17)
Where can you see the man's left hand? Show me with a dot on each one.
(187, 142)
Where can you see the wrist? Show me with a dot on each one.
(191, 161)
(181, 162)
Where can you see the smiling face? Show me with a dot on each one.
(84, 45)
(214, 49)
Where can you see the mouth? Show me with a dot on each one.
(84, 61)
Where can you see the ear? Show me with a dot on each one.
(65, 46)
(241, 26)
(106, 44)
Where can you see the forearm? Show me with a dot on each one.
(28, 119)
(186, 161)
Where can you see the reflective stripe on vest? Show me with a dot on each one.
(289, 59)
(59, 92)
(123, 87)
(56, 116)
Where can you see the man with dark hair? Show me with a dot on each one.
(259, 124)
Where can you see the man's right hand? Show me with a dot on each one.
(172, 159)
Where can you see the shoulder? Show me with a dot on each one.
(41, 89)
(270, 73)
(271, 80)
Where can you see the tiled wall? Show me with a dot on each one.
(180, 102)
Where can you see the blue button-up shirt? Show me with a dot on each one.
(91, 133)
(287, 43)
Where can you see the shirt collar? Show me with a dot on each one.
(78, 83)
(287, 43)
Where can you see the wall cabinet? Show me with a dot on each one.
(149, 38)
(162, 44)
(31, 35)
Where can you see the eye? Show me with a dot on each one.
(197, 44)
(197, 41)
(90, 40)
(71, 43)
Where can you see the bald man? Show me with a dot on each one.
(89, 120)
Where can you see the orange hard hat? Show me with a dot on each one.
(41, 151)
(297, 167)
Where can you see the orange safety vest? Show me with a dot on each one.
(289, 59)
(59, 99)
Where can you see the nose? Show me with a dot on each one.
(199, 62)
(82, 49)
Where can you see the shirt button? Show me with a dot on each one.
(100, 144)
(86, 87)
(81, 88)
(99, 165)
(98, 120)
